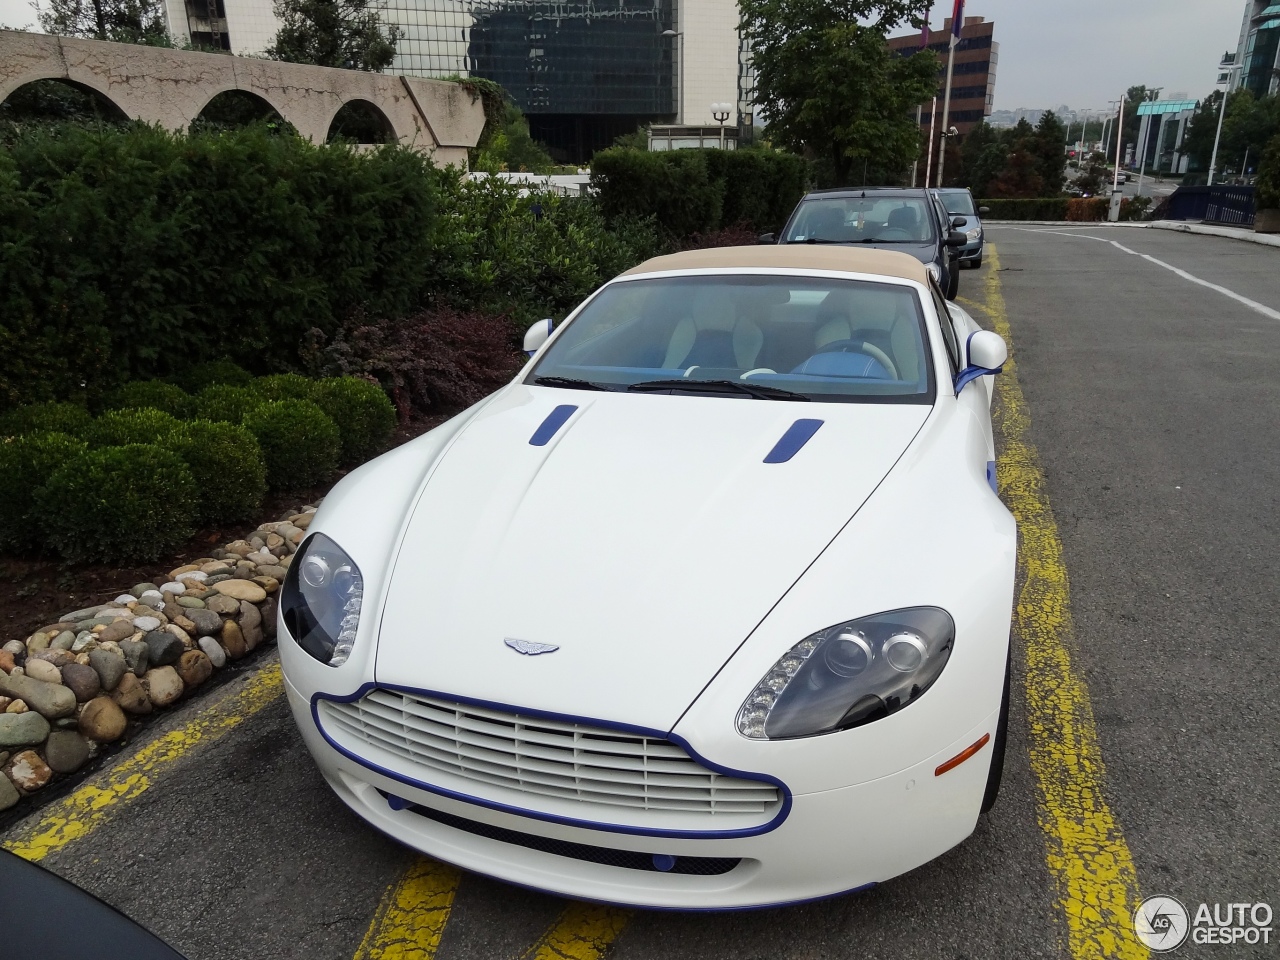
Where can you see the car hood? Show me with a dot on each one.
(645, 540)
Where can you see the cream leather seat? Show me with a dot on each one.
(879, 317)
(713, 335)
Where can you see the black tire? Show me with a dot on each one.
(976, 262)
(997, 748)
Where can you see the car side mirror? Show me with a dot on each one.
(956, 239)
(985, 353)
(537, 335)
(984, 210)
(767, 238)
(959, 222)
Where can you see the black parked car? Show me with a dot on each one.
(890, 218)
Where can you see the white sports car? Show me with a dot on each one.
(708, 608)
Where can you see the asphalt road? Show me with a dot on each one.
(1154, 404)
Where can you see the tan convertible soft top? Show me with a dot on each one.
(798, 256)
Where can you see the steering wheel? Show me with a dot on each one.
(861, 346)
(756, 370)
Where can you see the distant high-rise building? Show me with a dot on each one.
(1259, 47)
(973, 82)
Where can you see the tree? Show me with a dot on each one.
(1051, 158)
(122, 21)
(1250, 124)
(830, 87)
(334, 33)
(982, 156)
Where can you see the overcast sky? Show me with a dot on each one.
(1080, 52)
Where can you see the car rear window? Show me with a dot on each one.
(958, 203)
(825, 339)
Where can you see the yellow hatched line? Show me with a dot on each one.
(412, 915)
(94, 803)
(1097, 884)
(583, 931)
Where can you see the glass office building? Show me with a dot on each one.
(583, 72)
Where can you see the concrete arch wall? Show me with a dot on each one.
(356, 100)
(171, 87)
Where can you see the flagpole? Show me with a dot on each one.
(946, 95)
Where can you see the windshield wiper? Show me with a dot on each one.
(569, 383)
(759, 391)
(815, 240)
(884, 240)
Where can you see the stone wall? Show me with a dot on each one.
(171, 87)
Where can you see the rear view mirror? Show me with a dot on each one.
(959, 222)
(956, 239)
(537, 335)
(984, 209)
(766, 238)
(986, 352)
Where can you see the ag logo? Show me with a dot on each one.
(529, 648)
(1161, 923)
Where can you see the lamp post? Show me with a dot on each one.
(1223, 78)
(720, 112)
(1114, 213)
(679, 34)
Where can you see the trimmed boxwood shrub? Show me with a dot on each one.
(226, 463)
(1040, 208)
(116, 428)
(66, 418)
(155, 394)
(285, 386)
(200, 375)
(25, 463)
(300, 444)
(118, 504)
(364, 415)
(225, 403)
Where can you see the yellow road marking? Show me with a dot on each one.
(96, 801)
(411, 917)
(583, 931)
(1085, 848)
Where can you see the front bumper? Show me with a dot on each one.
(971, 251)
(832, 841)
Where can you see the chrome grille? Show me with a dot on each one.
(441, 742)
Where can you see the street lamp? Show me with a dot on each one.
(720, 112)
(1224, 78)
(679, 73)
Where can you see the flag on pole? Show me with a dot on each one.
(924, 30)
(957, 20)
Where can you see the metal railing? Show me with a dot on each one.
(1230, 206)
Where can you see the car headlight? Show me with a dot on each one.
(321, 598)
(849, 674)
(974, 234)
(934, 271)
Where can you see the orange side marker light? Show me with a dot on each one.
(962, 756)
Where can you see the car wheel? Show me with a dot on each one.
(997, 748)
(976, 262)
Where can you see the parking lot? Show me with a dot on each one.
(1138, 436)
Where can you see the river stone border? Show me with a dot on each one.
(74, 685)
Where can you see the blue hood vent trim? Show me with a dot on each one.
(556, 419)
(797, 435)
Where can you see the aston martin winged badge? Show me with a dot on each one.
(530, 648)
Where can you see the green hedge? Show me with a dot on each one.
(699, 191)
(26, 463)
(225, 403)
(362, 412)
(300, 444)
(118, 504)
(125, 251)
(36, 417)
(118, 428)
(1268, 197)
(226, 464)
(1040, 208)
(155, 394)
(200, 375)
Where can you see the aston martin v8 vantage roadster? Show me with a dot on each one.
(708, 608)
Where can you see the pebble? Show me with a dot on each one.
(6, 661)
(269, 584)
(120, 630)
(214, 569)
(16, 706)
(242, 590)
(224, 605)
(59, 658)
(163, 686)
(63, 641)
(213, 650)
(274, 541)
(84, 642)
(191, 603)
(39, 641)
(194, 574)
(275, 571)
(195, 668)
(250, 624)
(135, 653)
(175, 587)
(66, 751)
(50, 700)
(163, 648)
(302, 520)
(233, 640)
(4, 704)
(146, 624)
(268, 611)
(22, 729)
(9, 794)
(85, 614)
(126, 598)
(15, 647)
(205, 622)
(43, 670)
(218, 578)
(151, 598)
(109, 666)
(28, 772)
(177, 572)
(131, 695)
(139, 589)
(245, 570)
(103, 721)
(83, 681)
(241, 548)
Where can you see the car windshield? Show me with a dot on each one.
(861, 220)
(958, 203)
(747, 336)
